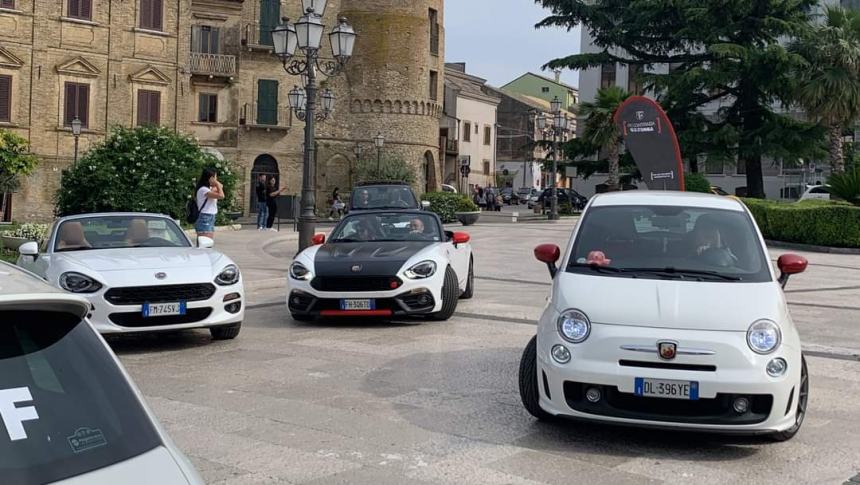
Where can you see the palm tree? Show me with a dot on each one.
(600, 129)
(828, 87)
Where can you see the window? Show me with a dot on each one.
(434, 31)
(607, 75)
(467, 131)
(204, 39)
(5, 99)
(486, 166)
(151, 14)
(714, 166)
(7, 3)
(267, 102)
(80, 9)
(77, 103)
(634, 81)
(434, 85)
(741, 167)
(148, 107)
(270, 17)
(476, 128)
(544, 89)
(488, 135)
(207, 111)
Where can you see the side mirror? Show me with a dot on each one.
(549, 254)
(790, 264)
(204, 242)
(29, 249)
(460, 238)
(425, 204)
(318, 239)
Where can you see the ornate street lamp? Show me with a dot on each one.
(76, 132)
(379, 142)
(358, 150)
(306, 36)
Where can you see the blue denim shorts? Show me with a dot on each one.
(205, 223)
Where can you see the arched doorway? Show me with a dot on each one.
(263, 165)
(430, 184)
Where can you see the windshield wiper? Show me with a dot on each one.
(598, 268)
(670, 270)
(347, 240)
(78, 248)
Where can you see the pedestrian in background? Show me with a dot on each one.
(337, 205)
(208, 191)
(480, 199)
(272, 194)
(262, 207)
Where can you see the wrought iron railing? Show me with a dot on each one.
(213, 64)
(254, 116)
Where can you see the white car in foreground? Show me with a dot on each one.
(70, 413)
(141, 273)
(382, 264)
(665, 311)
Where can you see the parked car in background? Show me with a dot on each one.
(815, 192)
(524, 194)
(449, 188)
(71, 413)
(384, 195)
(141, 273)
(565, 196)
(638, 331)
(508, 196)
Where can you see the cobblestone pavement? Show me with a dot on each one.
(378, 403)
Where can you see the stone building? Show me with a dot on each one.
(206, 68)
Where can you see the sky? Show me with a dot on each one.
(497, 39)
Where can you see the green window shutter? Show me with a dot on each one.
(267, 102)
(270, 17)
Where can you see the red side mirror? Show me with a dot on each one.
(547, 253)
(790, 264)
(460, 237)
(318, 239)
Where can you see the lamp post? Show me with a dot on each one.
(358, 150)
(379, 142)
(76, 132)
(306, 35)
(555, 126)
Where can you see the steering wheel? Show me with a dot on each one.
(720, 257)
(155, 242)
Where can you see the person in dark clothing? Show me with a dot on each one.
(272, 194)
(262, 207)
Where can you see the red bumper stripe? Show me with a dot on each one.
(355, 313)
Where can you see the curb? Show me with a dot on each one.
(811, 247)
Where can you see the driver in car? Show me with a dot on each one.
(72, 237)
(416, 226)
(708, 243)
(138, 232)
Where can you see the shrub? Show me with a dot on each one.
(146, 169)
(696, 182)
(445, 204)
(391, 169)
(817, 222)
(846, 186)
(31, 232)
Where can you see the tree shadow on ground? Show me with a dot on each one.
(159, 341)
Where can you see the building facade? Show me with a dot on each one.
(468, 129)
(542, 87)
(206, 68)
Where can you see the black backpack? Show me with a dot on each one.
(192, 212)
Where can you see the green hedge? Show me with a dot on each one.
(821, 223)
(696, 182)
(445, 204)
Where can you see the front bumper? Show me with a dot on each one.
(226, 306)
(733, 371)
(412, 297)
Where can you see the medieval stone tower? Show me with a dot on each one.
(393, 86)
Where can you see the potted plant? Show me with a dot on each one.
(466, 211)
(25, 233)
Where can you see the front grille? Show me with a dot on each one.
(667, 365)
(136, 319)
(701, 411)
(360, 283)
(138, 295)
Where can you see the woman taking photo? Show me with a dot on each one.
(272, 194)
(209, 190)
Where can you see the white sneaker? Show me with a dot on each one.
(272, 229)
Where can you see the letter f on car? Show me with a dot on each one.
(14, 417)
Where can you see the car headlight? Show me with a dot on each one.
(79, 283)
(574, 326)
(298, 271)
(764, 336)
(424, 269)
(228, 276)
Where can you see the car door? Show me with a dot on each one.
(459, 256)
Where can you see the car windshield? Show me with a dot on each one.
(688, 243)
(111, 232)
(66, 406)
(383, 197)
(387, 227)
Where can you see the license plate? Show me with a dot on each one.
(358, 304)
(163, 309)
(666, 388)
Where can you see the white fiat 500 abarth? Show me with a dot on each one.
(665, 311)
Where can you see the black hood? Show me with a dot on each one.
(374, 258)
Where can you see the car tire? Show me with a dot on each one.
(450, 292)
(802, 402)
(226, 333)
(302, 318)
(470, 281)
(529, 392)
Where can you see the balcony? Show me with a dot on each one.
(452, 147)
(213, 65)
(253, 118)
(253, 38)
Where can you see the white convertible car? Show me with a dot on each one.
(140, 273)
(666, 311)
(382, 264)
